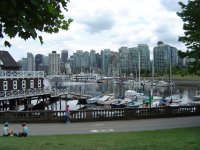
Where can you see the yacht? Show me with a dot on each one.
(82, 77)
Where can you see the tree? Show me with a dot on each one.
(190, 16)
(26, 18)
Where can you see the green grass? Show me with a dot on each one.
(173, 139)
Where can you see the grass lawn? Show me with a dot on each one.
(172, 139)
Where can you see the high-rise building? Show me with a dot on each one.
(134, 58)
(45, 60)
(93, 59)
(163, 54)
(77, 61)
(64, 56)
(144, 56)
(106, 57)
(44, 65)
(71, 64)
(38, 61)
(114, 71)
(54, 63)
(24, 64)
(98, 57)
(30, 62)
(85, 62)
(124, 59)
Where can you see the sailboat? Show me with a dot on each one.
(173, 99)
(152, 82)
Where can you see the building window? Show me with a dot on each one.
(39, 82)
(31, 84)
(14, 84)
(5, 85)
(23, 84)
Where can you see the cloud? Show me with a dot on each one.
(110, 24)
(172, 5)
(99, 23)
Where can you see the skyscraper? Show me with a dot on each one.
(92, 58)
(163, 54)
(54, 63)
(30, 62)
(38, 61)
(133, 60)
(78, 57)
(144, 56)
(106, 57)
(124, 59)
(64, 56)
(85, 62)
(24, 64)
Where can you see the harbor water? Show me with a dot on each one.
(90, 88)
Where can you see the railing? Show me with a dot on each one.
(5, 95)
(21, 74)
(58, 76)
(97, 115)
(57, 92)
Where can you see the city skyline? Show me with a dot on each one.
(107, 62)
(109, 24)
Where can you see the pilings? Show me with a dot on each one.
(42, 102)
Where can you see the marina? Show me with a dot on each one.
(108, 101)
(108, 88)
(57, 92)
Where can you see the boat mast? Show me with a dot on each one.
(152, 72)
(170, 72)
(139, 66)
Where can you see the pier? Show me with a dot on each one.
(46, 95)
(21, 87)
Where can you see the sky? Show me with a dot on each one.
(109, 24)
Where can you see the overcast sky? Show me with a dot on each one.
(102, 24)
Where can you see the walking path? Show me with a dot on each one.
(108, 126)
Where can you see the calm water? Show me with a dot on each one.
(118, 90)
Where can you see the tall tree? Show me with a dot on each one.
(25, 18)
(190, 15)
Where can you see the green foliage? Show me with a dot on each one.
(190, 16)
(24, 18)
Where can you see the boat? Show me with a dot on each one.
(94, 99)
(149, 83)
(135, 103)
(102, 99)
(118, 105)
(162, 83)
(130, 93)
(197, 96)
(123, 102)
(196, 100)
(83, 77)
(174, 98)
(132, 82)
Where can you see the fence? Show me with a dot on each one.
(98, 115)
(15, 74)
(14, 94)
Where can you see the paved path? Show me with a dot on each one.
(109, 126)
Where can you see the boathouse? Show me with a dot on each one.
(21, 87)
